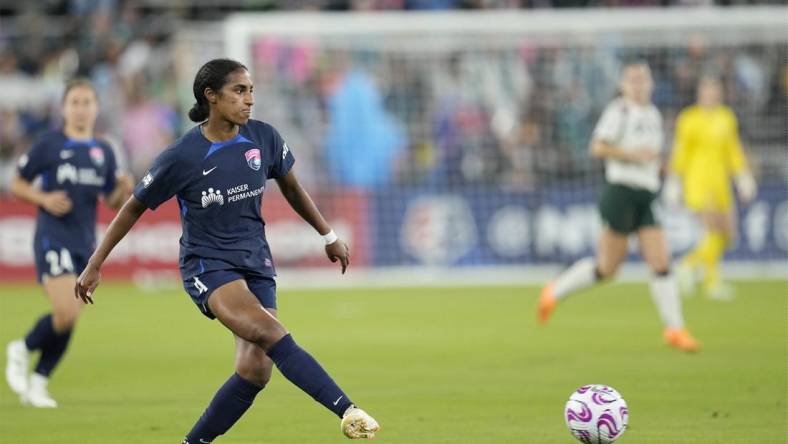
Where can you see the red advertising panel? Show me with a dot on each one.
(150, 251)
(295, 244)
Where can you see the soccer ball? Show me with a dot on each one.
(596, 414)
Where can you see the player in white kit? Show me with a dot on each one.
(629, 137)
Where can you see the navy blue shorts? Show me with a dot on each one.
(200, 287)
(53, 259)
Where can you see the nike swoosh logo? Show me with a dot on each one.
(204, 441)
(205, 173)
(337, 401)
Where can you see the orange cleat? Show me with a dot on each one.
(547, 303)
(681, 339)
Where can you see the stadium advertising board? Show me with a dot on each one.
(486, 227)
(150, 252)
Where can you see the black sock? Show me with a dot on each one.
(300, 368)
(42, 334)
(52, 353)
(227, 406)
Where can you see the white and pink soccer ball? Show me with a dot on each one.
(596, 414)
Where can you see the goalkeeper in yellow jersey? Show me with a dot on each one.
(707, 156)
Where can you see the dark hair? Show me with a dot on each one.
(211, 75)
(77, 82)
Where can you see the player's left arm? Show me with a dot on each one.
(737, 163)
(299, 199)
(117, 185)
(677, 161)
(124, 185)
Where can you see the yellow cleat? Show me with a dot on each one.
(681, 339)
(357, 424)
(547, 303)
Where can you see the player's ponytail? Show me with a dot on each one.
(198, 113)
(211, 75)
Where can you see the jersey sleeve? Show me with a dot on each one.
(678, 159)
(610, 127)
(112, 170)
(35, 161)
(736, 161)
(283, 158)
(164, 179)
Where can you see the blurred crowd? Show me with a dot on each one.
(520, 116)
(513, 116)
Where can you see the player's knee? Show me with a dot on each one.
(662, 272)
(660, 266)
(254, 371)
(604, 272)
(266, 334)
(64, 320)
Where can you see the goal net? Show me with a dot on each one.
(459, 141)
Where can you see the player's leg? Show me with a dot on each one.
(241, 312)
(715, 210)
(664, 289)
(252, 372)
(611, 252)
(251, 362)
(617, 209)
(50, 335)
(696, 199)
(65, 311)
(53, 345)
(718, 229)
(721, 231)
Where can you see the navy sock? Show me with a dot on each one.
(52, 353)
(228, 405)
(42, 334)
(300, 368)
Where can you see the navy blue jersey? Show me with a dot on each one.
(219, 187)
(83, 169)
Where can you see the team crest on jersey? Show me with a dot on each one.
(254, 159)
(97, 155)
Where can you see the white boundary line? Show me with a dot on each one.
(394, 277)
(474, 276)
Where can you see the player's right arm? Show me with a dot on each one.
(165, 178)
(117, 230)
(679, 158)
(55, 203)
(602, 149)
(607, 134)
(736, 161)
(32, 164)
(680, 153)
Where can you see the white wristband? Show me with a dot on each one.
(330, 237)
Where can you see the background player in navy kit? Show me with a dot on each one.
(75, 169)
(218, 171)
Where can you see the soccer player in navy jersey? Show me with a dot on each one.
(75, 169)
(218, 172)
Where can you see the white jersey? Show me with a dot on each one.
(631, 127)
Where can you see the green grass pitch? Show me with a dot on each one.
(446, 365)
